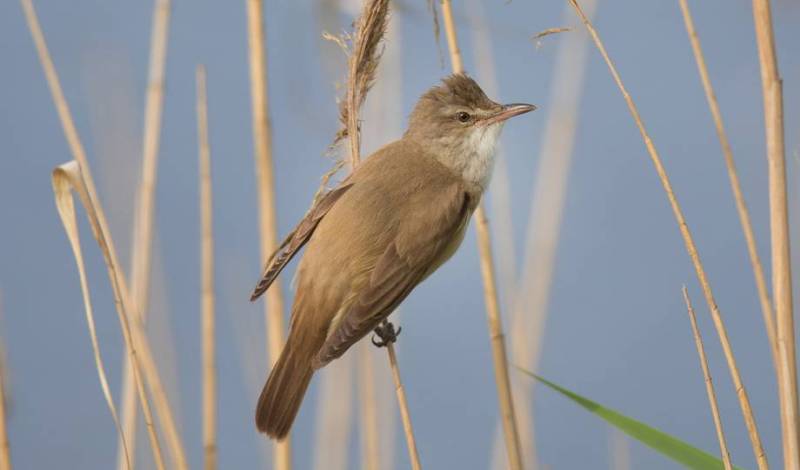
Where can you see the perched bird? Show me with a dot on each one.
(379, 233)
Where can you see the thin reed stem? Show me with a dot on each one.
(496, 335)
(413, 453)
(691, 248)
(141, 252)
(772, 90)
(5, 449)
(268, 225)
(207, 300)
(712, 397)
(741, 207)
(110, 254)
(370, 445)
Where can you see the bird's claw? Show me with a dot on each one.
(387, 334)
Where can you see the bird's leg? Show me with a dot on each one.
(387, 334)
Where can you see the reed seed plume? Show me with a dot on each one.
(691, 247)
(370, 27)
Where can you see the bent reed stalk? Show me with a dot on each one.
(100, 223)
(496, 335)
(691, 248)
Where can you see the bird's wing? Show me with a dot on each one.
(424, 241)
(297, 238)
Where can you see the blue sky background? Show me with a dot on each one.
(617, 329)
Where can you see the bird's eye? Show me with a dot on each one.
(463, 117)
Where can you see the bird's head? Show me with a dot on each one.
(459, 125)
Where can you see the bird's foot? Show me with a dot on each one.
(387, 334)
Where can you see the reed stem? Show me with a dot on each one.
(496, 335)
(207, 299)
(117, 278)
(691, 248)
(772, 90)
(712, 397)
(262, 143)
(141, 252)
(741, 207)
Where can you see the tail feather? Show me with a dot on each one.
(283, 393)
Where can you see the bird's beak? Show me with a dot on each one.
(510, 110)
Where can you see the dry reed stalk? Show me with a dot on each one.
(81, 179)
(532, 297)
(370, 445)
(363, 63)
(712, 397)
(207, 278)
(503, 242)
(268, 225)
(334, 420)
(413, 453)
(141, 253)
(772, 90)
(5, 449)
(691, 248)
(741, 207)
(490, 287)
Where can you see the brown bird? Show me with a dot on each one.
(379, 233)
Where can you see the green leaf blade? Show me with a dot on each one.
(664, 443)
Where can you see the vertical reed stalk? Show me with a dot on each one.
(141, 253)
(712, 397)
(490, 287)
(110, 254)
(691, 248)
(262, 143)
(741, 207)
(370, 446)
(207, 278)
(772, 90)
(413, 453)
(5, 449)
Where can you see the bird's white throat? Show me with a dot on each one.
(478, 158)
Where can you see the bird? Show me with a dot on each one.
(379, 233)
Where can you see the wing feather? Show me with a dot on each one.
(297, 238)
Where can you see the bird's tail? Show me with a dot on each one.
(283, 393)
